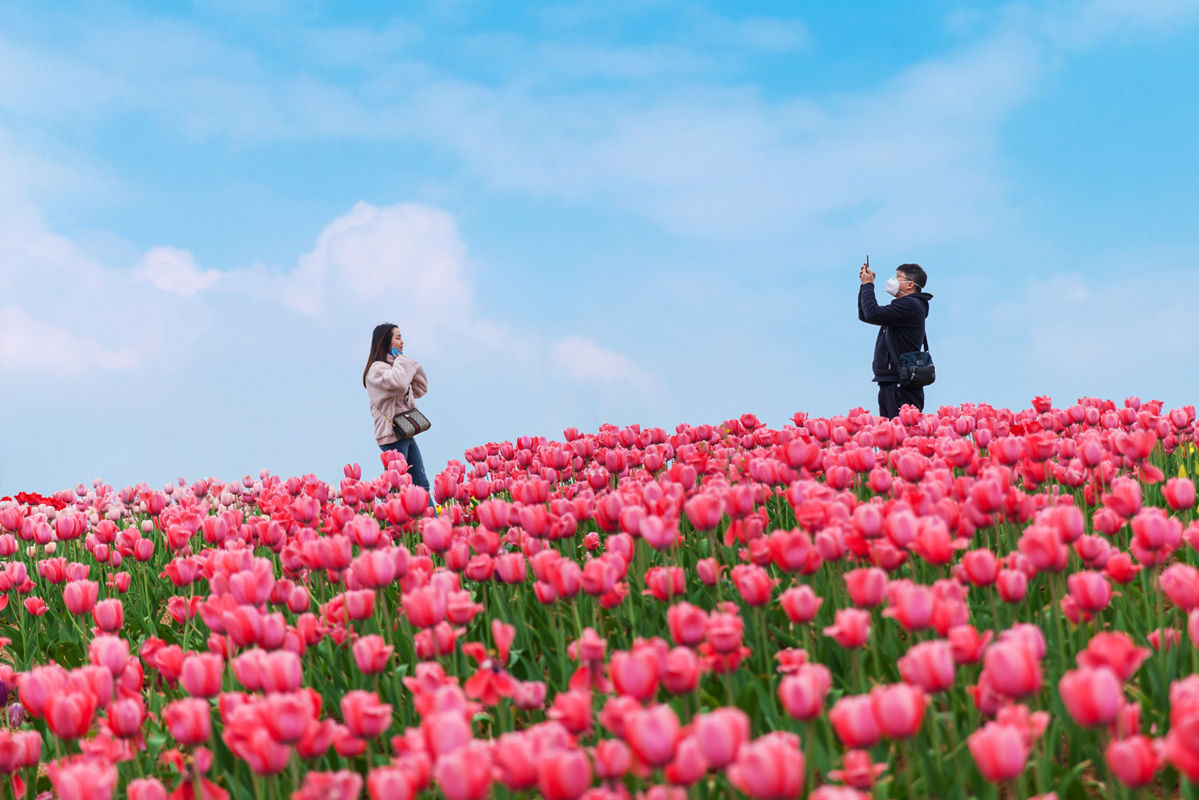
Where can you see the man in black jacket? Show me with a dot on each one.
(903, 321)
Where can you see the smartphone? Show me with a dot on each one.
(867, 262)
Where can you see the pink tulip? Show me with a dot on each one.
(364, 714)
(563, 774)
(800, 604)
(854, 721)
(802, 693)
(866, 586)
(1092, 696)
(1179, 493)
(189, 720)
(898, 709)
(850, 628)
(201, 674)
(1134, 760)
(929, 665)
(999, 751)
(770, 767)
(653, 734)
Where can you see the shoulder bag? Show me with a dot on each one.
(915, 369)
(409, 423)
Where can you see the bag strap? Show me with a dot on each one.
(891, 348)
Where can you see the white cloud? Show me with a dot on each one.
(174, 271)
(581, 359)
(1083, 25)
(28, 345)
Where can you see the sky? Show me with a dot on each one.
(641, 211)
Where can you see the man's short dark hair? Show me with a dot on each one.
(915, 273)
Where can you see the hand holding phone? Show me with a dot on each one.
(865, 274)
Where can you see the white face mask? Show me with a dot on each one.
(892, 287)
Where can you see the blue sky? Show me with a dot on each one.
(642, 212)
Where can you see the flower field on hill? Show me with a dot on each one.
(974, 603)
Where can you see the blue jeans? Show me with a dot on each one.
(416, 465)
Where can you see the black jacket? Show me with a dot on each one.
(904, 318)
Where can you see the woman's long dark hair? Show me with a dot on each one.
(380, 346)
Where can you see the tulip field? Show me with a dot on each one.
(978, 602)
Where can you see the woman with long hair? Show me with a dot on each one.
(393, 381)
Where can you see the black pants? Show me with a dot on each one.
(892, 397)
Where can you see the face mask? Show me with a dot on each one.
(892, 287)
(395, 351)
